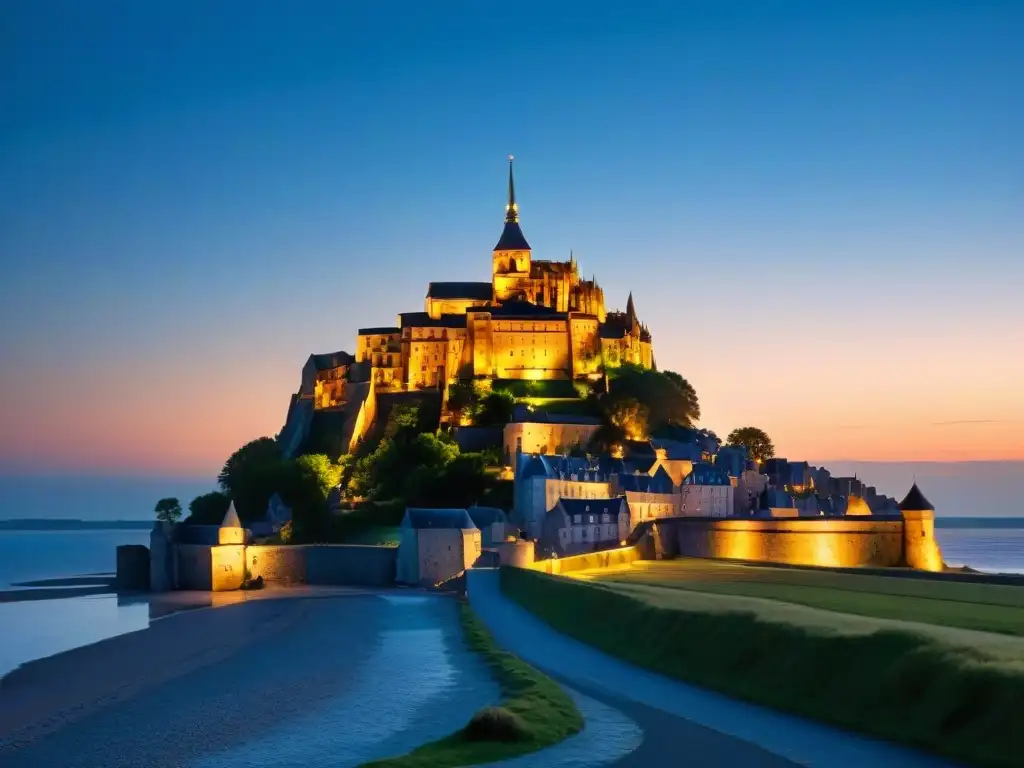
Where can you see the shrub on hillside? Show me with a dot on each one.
(495, 724)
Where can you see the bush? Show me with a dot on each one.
(495, 724)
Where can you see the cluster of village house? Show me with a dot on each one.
(569, 504)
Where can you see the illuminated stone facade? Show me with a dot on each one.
(534, 320)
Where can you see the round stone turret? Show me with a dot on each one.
(920, 549)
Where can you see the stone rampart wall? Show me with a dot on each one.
(836, 542)
(276, 564)
(603, 559)
(351, 565)
(335, 564)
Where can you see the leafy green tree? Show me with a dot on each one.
(756, 441)
(495, 409)
(669, 398)
(629, 415)
(208, 509)
(307, 482)
(463, 398)
(168, 510)
(252, 475)
(402, 419)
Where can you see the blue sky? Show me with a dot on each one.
(808, 200)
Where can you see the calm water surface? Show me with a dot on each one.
(31, 555)
(33, 630)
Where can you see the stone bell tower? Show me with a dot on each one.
(510, 267)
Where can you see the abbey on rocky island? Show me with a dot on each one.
(534, 320)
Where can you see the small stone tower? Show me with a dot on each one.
(920, 549)
(231, 530)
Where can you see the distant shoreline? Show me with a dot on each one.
(69, 524)
(25, 524)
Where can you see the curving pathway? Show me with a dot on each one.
(681, 723)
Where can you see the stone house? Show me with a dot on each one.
(584, 525)
(706, 492)
(435, 545)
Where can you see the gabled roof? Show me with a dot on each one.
(659, 482)
(474, 291)
(330, 360)
(706, 474)
(419, 517)
(915, 501)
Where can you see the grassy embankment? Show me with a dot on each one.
(980, 606)
(872, 675)
(534, 713)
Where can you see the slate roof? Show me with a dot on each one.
(676, 450)
(378, 331)
(524, 309)
(423, 320)
(332, 360)
(611, 331)
(915, 501)
(659, 482)
(483, 516)
(418, 517)
(706, 474)
(551, 466)
(475, 291)
(512, 238)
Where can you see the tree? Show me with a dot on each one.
(629, 415)
(306, 483)
(168, 510)
(495, 409)
(208, 509)
(251, 475)
(756, 441)
(463, 398)
(669, 398)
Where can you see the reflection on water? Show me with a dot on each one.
(35, 629)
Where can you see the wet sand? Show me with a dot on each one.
(297, 681)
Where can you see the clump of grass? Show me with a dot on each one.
(893, 684)
(534, 713)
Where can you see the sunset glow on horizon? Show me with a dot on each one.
(817, 212)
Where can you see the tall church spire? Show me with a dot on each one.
(511, 210)
(512, 238)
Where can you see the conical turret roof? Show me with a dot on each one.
(915, 501)
(231, 518)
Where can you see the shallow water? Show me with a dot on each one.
(35, 629)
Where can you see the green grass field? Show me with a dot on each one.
(542, 712)
(977, 606)
(947, 690)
